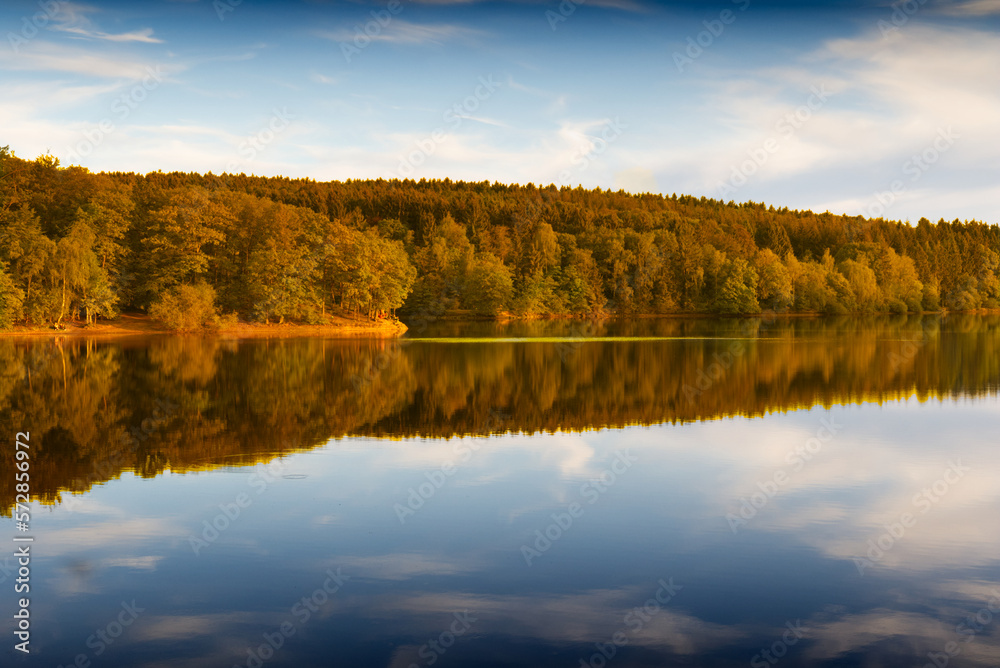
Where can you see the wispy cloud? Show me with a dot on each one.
(145, 35)
(72, 18)
(322, 79)
(405, 32)
(971, 8)
(39, 56)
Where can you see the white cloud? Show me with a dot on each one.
(889, 98)
(636, 180)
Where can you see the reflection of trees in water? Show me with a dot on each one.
(95, 409)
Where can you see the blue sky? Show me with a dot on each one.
(852, 106)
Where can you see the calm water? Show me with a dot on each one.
(647, 493)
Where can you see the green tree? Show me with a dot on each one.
(490, 286)
(11, 300)
(178, 245)
(737, 293)
(774, 287)
(581, 283)
(863, 285)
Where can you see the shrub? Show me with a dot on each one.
(897, 306)
(835, 308)
(931, 300)
(226, 321)
(186, 307)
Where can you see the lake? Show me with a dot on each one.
(651, 492)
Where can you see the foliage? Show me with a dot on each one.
(490, 286)
(11, 300)
(186, 307)
(81, 245)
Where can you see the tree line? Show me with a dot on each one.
(195, 249)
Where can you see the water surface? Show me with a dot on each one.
(632, 493)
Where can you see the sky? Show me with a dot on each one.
(861, 107)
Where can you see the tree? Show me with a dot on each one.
(107, 215)
(27, 252)
(178, 244)
(370, 273)
(11, 299)
(774, 287)
(737, 293)
(581, 283)
(490, 286)
(863, 285)
(443, 265)
(74, 268)
(543, 253)
(282, 275)
(898, 278)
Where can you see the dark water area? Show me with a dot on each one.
(655, 492)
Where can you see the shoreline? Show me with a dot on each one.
(139, 325)
(127, 325)
(698, 315)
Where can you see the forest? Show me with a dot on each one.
(197, 250)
